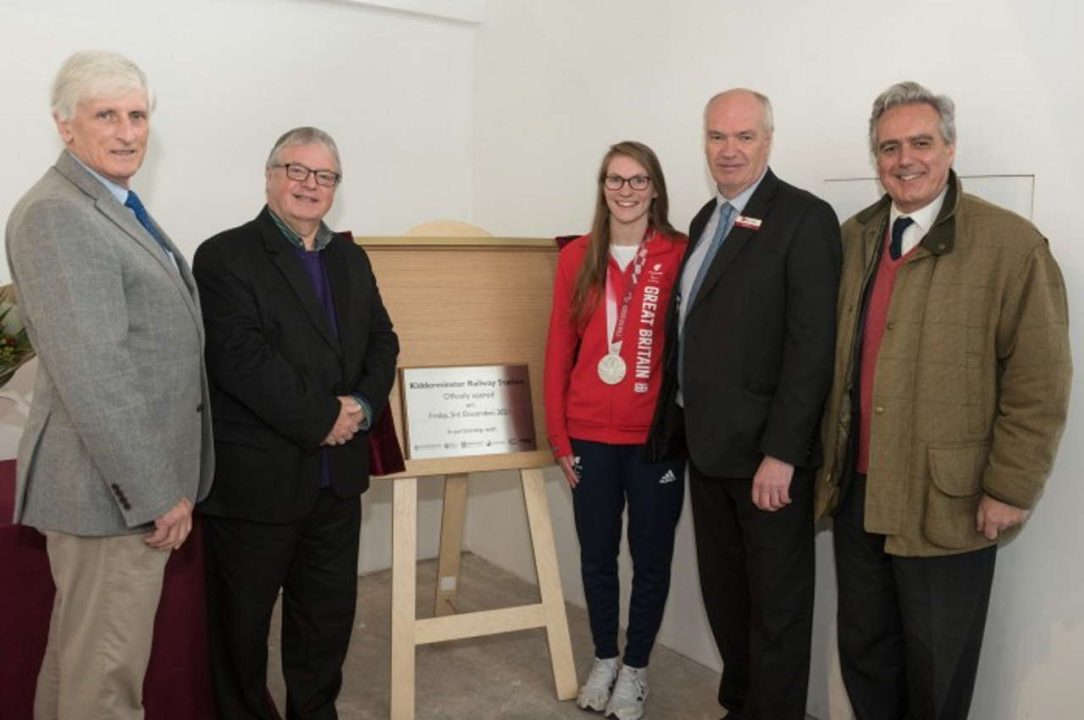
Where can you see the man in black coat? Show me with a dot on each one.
(749, 362)
(301, 356)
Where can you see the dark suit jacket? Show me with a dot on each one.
(759, 339)
(276, 369)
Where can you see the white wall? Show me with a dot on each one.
(559, 81)
(395, 90)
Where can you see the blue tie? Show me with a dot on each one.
(896, 248)
(144, 219)
(726, 212)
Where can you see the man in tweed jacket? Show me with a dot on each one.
(117, 448)
(950, 395)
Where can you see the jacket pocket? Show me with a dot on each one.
(953, 495)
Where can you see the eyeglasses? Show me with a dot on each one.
(300, 173)
(636, 182)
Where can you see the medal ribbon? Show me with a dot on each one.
(636, 269)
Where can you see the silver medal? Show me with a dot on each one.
(611, 369)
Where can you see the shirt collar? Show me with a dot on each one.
(742, 199)
(324, 234)
(118, 191)
(925, 216)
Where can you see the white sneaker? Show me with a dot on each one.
(630, 691)
(596, 690)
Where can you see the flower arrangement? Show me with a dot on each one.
(15, 348)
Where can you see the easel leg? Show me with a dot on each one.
(404, 559)
(549, 583)
(451, 542)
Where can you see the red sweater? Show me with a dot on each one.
(578, 403)
(876, 322)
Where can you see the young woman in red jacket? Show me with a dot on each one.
(603, 364)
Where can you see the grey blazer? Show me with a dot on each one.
(120, 424)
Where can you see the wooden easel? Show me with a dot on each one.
(468, 301)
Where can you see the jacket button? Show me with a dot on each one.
(879, 409)
(199, 408)
(890, 325)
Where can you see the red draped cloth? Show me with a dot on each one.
(178, 682)
(385, 455)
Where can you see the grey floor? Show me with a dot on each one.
(502, 676)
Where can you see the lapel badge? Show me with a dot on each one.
(749, 223)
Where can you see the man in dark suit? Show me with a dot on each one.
(748, 368)
(301, 355)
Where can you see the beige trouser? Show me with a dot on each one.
(107, 591)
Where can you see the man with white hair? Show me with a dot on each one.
(117, 447)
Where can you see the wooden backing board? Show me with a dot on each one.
(468, 301)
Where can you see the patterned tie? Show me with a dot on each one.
(726, 212)
(896, 248)
(134, 204)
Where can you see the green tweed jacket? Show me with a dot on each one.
(971, 387)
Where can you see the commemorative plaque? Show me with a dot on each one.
(473, 410)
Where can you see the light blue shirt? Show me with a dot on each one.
(120, 193)
(699, 254)
(696, 259)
